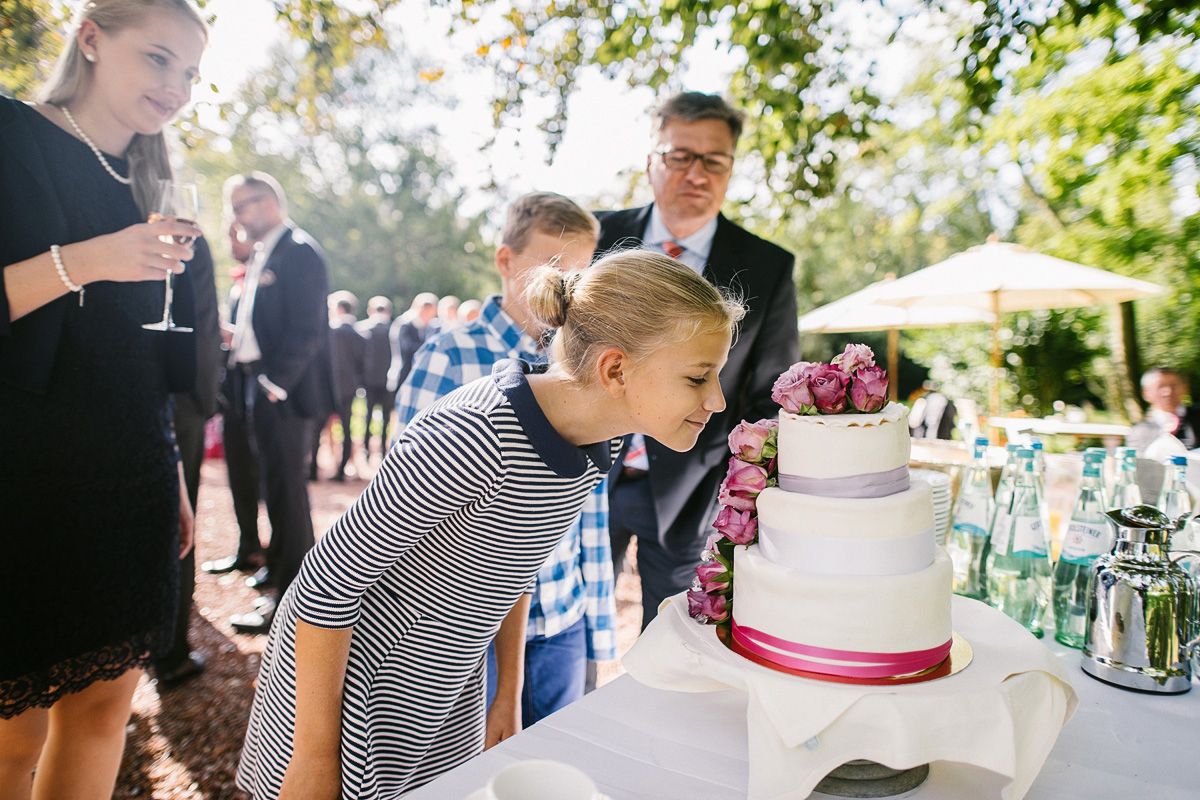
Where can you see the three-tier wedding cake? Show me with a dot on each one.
(845, 577)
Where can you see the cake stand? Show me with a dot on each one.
(1002, 713)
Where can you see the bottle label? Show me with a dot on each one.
(1001, 532)
(1029, 537)
(1084, 541)
(971, 516)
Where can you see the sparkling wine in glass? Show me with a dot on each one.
(176, 201)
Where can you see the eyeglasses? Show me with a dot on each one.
(678, 159)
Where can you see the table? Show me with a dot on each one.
(1014, 426)
(639, 743)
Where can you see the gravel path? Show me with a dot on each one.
(183, 744)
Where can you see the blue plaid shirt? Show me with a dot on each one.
(577, 579)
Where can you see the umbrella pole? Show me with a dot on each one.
(995, 354)
(893, 364)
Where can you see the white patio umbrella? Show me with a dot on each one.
(1000, 277)
(860, 312)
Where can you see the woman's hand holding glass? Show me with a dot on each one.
(136, 253)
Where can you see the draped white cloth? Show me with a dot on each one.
(1002, 713)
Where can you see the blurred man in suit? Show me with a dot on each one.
(377, 360)
(195, 308)
(241, 462)
(407, 334)
(1166, 392)
(281, 324)
(346, 348)
(668, 499)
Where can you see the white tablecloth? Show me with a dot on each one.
(649, 744)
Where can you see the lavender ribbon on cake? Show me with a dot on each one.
(871, 484)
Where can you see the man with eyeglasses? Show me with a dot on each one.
(668, 500)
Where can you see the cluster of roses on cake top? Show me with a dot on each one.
(850, 383)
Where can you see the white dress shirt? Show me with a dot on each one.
(244, 349)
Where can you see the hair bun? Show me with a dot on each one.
(549, 295)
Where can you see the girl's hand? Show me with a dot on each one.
(309, 778)
(503, 721)
(142, 252)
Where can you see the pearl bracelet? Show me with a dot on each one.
(56, 256)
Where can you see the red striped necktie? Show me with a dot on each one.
(672, 249)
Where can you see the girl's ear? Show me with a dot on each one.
(610, 371)
(86, 37)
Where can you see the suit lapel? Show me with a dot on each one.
(723, 259)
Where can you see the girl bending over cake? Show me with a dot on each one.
(372, 682)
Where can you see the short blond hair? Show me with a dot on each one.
(637, 300)
(546, 212)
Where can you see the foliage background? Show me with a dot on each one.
(1066, 125)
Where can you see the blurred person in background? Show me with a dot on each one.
(377, 360)
(1167, 393)
(276, 357)
(241, 461)
(346, 348)
(468, 310)
(408, 332)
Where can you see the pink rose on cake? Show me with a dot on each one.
(854, 358)
(713, 576)
(707, 607)
(829, 388)
(792, 390)
(869, 389)
(743, 482)
(756, 441)
(739, 527)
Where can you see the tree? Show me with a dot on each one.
(1104, 154)
(372, 191)
(29, 39)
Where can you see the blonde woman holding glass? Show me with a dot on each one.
(93, 516)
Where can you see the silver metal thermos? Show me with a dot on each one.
(1143, 614)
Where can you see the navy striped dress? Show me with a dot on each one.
(463, 512)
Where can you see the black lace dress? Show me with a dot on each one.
(89, 497)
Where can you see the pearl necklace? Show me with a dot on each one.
(118, 177)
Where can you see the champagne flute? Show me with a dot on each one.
(177, 201)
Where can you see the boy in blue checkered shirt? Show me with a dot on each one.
(570, 617)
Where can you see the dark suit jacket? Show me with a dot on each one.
(195, 307)
(685, 484)
(291, 320)
(377, 353)
(346, 352)
(406, 339)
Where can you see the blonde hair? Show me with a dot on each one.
(636, 300)
(147, 155)
(545, 212)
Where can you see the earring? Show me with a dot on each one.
(90, 57)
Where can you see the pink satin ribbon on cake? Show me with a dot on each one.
(881, 665)
(870, 484)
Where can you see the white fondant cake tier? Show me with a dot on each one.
(876, 614)
(866, 536)
(842, 445)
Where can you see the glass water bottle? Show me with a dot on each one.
(1018, 562)
(1088, 535)
(1175, 501)
(1125, 490)
(973, 511)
